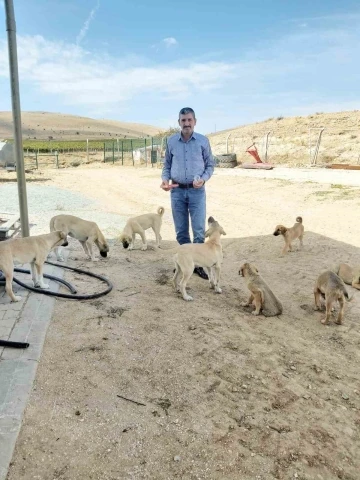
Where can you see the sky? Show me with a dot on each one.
(233, 62)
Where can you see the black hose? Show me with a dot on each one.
(8, 343)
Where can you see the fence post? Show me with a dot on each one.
(146, 162)
(152, 149)
(104, 152)
(117, 142)
(122, 152)
(57, 159)
(87, 150)
(113, 152)
(132, 152)
(36, 160)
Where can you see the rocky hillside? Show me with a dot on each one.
(42, 125)
(291, 139)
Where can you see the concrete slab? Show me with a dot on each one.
(21, 322)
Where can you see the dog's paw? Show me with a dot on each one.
(218, 290)
(144, 247)
(255, 313)
(17, 298)
(188, 298)
(244, 304)
(44, 286)
(324, 321)
(60, 259)
(94, 259)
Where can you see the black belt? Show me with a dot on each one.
(185, 185)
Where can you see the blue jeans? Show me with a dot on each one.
(185, 201)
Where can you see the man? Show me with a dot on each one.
(188, 164)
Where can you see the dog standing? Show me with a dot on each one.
(260, 293)
(349, 275)
(83, 230)
(207, 255)
(138, 225)
(33, 250)
(330, 286)
(290, 234)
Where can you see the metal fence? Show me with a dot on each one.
(138, 151)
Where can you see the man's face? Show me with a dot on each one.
(187, 123)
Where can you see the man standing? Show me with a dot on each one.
(188, 164)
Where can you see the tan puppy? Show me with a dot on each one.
(290, 234)
(349, 275)
(330, 287)
(261, 295)
(207, 255)
(33, 250)
(86, 232)
(139, 225)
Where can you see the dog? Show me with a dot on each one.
(349, 275)
(207, 255)
(290, 234)
(83, 230)
(139, 225)
(331, 288)
(33, 250)
(260, 293)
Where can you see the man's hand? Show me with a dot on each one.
(165, 185)
(198, 184)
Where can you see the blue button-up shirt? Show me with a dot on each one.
(185, 159)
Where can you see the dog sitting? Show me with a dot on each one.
(33, 250)
(349, 275)
(138, 225)
(331, 288)
(290, 234)
(83, 230)
(260, 293)
(207, 255)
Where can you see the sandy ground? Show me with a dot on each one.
(222, 394)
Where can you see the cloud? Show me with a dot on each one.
(86, 25)
(170, 41)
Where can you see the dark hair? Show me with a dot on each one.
(186, 110)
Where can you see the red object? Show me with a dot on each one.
(254, 153)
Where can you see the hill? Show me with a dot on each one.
(291, 139)
(42, 125)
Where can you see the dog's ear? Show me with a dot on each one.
(211, 220)
(222, 231)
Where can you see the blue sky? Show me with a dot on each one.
(234, 62)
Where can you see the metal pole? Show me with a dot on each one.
(87, 150)
(16, 111)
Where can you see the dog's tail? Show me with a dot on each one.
(299, 219)
(160, 211)
(346, 295)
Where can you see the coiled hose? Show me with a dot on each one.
(73, 295)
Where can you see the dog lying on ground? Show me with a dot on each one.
(349, 275)
(33, 250)
(83, 230)
(138, 225)
(260, 293)
(330, 287)
(207, 255)
(290, 234)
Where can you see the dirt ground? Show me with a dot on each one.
(221, 394)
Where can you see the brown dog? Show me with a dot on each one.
(349, 275)
(290, 234)
(260, 293)
(33, 250)
(138, 225)
(207, 255)
(330, 287)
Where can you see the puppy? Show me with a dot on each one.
(33, 250)
(207, 255)
(290, 234)
(330, 286)
(349, 275)
(261, 295)
(86, 232)
(139, 225)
